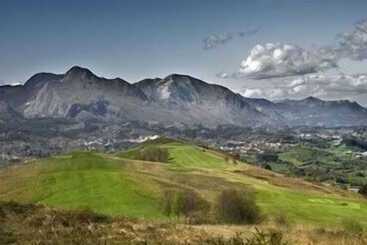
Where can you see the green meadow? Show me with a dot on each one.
(122, 185)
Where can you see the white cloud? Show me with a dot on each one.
(253, 93)
(290, 71)
(296, 83)
(2, 83)
(281, 60)
(353, 44)
(337, 86)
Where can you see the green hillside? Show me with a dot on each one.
(123, 185)
(300, 155)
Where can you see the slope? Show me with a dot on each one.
(122, 185)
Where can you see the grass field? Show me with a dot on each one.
(300, 155)
(81, 180)
(122, 185)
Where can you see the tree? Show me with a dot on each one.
(267, 167)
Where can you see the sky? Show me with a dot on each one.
(275, 49)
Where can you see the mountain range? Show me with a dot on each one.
(180, 100)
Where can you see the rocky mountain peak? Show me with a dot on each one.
(312, 98)
(179, 78)
(79, 73)
(39, 79)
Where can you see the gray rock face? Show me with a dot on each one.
(8, 114)
(192, 100)
(49, 95)
(177, 99)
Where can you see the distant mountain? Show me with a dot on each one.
(312, 111)
(178, 100)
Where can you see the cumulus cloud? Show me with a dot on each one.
(280, 60)
(353, 44)
(273, 93)
(283, 60)
(290, 71)
(214, 40)
(319, 85)
(253, 93)
(331, 86)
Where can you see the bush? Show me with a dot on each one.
(153, 154)
(87, 215)
(185, 203)
(238, 207)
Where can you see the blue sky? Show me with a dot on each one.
(135, 39)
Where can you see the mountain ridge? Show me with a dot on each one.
(181, 99)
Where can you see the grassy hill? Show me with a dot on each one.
(123, 185)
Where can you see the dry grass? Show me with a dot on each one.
(34, 224)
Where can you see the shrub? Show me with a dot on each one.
(268, 167)
(87, 215)
(239, 207)
(153, 154)
(185, 203)
(273, 237)
(81, 216)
